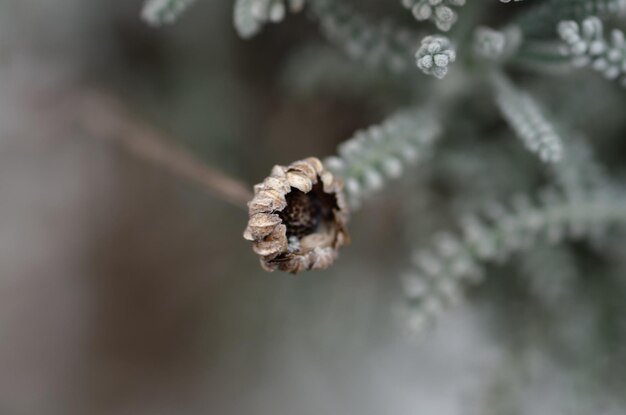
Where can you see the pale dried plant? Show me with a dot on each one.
(298, 217)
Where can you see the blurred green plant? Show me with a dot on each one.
(461, 113)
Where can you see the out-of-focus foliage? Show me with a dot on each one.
(583, 200)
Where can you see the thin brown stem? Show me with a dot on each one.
(106, 116)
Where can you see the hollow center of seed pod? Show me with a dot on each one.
(305, 212)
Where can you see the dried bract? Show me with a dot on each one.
(298, 217)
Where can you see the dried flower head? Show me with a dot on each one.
(298, 217)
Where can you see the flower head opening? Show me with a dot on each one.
(298, 217)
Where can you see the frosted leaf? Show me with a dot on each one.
(434, 56)
(585, 44)
(161, 12)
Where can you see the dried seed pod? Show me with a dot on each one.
(298, 217)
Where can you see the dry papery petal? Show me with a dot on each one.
(298, 217)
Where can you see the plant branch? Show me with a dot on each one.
(106, 116)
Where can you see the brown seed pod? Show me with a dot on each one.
(298, 217)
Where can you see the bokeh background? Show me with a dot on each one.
(126, 290)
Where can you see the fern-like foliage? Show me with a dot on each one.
(160, 12)
(379, 44)
(251, 15)
(586, 45)
(441, 12)
(439, 274)
(541, 20)
(381, 152)
(527, 120)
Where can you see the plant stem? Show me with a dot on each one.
(104, 115)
